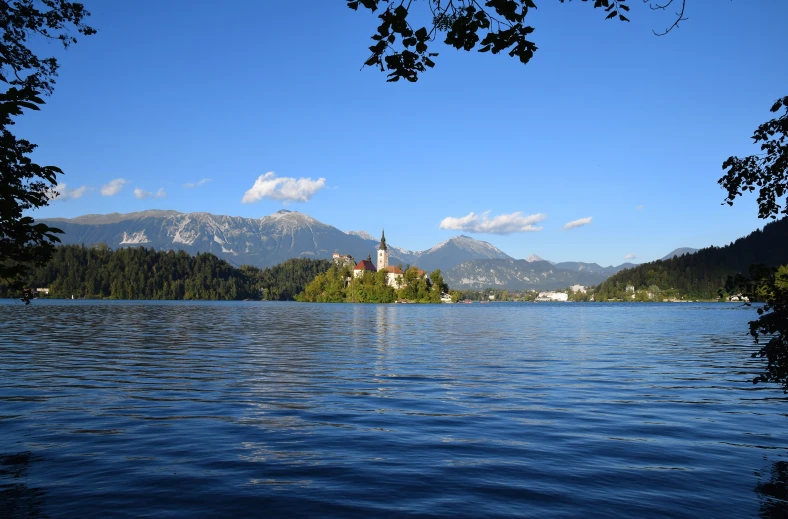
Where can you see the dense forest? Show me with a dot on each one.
(703, 274)
(339, 285)
(99, 272)
(285, 281)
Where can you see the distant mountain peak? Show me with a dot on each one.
(285, 213)
(679, 252)
(361, 234)
(487, 250)
(532, 258)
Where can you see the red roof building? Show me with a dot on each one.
(365, 265)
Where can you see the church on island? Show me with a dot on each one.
(393, 274)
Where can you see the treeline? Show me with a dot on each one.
(285, 281)
(339, 285)
(498, 294)
(99, 272)
(703, 274)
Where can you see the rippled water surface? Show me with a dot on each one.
(130, 409)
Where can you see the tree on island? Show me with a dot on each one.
(24, 184)
(767, 172)
(340, 285)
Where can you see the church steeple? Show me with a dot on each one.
(383, 253)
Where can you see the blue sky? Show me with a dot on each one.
(607, 122)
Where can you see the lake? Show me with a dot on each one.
(225, 409)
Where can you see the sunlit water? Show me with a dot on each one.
(132, 409)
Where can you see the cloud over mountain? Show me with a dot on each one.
(113, 187)
(142, 194)
(63, 193)
(501, 224)
(285, 189)
(578, 223)
(630, 256)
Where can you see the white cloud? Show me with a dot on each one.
(630, 256)
(197, 184)
(501, 224)
(578, 223)
(283, 188)
(63, 193)
(142, 194)
(113, 187)
(639, 207)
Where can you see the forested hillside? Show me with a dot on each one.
(285, 281)
(140, 273)
(701, 275)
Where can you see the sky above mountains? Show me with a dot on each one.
(606, 147)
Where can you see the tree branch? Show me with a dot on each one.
(679, 15)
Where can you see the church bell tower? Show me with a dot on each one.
(383, 253)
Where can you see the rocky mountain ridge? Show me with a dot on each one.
(261, 242)
(525, 274)
(272, 239)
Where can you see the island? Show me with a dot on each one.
(364, 282)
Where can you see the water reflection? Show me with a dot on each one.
(773, 492)
(499, 410)
(17, 499)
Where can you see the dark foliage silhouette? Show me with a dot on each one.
(24, 184)
(493, 26)
(770, 285)
(767, 172)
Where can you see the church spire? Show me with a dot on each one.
(383, 253)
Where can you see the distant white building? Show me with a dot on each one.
(578, 288)
(553, 296)
(630, 289)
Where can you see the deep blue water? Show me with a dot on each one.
(132, 409)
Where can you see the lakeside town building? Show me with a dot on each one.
(553, 296)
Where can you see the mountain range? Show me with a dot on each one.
(270, 240)
(262, 242)
(527, 274)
